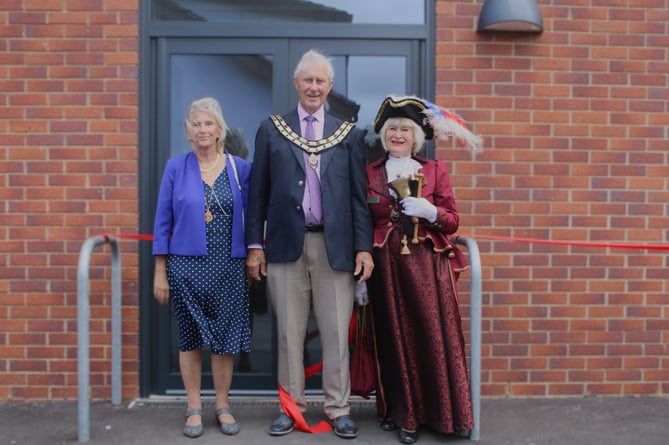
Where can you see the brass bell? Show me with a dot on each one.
(404, 187)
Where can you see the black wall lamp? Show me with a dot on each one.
(510, 16)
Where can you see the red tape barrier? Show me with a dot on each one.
(570, 243)
(136, 236)
(660, 247)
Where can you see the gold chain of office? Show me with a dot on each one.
(312, 147)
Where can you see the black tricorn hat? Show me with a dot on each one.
(406, 106)
(436, 122)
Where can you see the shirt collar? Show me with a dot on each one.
(319, 114)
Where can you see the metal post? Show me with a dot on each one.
(475, 330)
(116, 321)
(83, 335)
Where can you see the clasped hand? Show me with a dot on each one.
(419, 207)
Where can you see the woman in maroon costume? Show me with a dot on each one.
(417, 325)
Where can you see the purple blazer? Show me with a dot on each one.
(179, 226)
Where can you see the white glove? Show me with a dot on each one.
(361, 296)
(419, 207)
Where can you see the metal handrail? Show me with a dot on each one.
(475, 329)
(83, 335)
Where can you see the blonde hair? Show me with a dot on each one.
(210, 106)
(418, 133)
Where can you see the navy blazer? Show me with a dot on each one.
(179, 226)
(277, 188)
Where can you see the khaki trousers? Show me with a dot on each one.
(293, 288)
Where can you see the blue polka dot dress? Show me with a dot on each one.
(209, 294)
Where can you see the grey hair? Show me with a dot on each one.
(418, 133)
(210, 106)
(314, 57)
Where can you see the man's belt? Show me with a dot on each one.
(312, 147)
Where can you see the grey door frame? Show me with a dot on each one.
(286, 42)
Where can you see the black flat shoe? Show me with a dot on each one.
(388, 424)
(281, 426)
(408, 436)
(345, 427)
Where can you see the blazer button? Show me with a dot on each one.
(300, 183)
(298, 208)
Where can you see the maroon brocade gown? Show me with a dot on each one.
(420, 346)
(417, 326)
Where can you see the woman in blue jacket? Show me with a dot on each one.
(199, 250)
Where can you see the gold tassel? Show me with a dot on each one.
(405, 248)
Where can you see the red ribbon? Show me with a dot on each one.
(572, 243)
(136, 236)
(289, 407)
(660, 247)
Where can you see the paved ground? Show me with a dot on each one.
(558, 421)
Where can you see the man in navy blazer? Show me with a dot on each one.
(309, 231)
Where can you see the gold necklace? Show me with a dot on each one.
(207, 170)
(219, 203)
(208, 216)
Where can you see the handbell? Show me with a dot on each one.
(404, 187)
(408, 185)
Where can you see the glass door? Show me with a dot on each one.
(251, 79)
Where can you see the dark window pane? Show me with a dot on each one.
(396, 12)
(242, 84)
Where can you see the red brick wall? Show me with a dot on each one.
(576, 128)
(576, 132)
(68, 163)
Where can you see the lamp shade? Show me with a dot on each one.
(510, 16)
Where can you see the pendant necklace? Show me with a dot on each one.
(219, 203)
(313, 161)
(208, 216)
